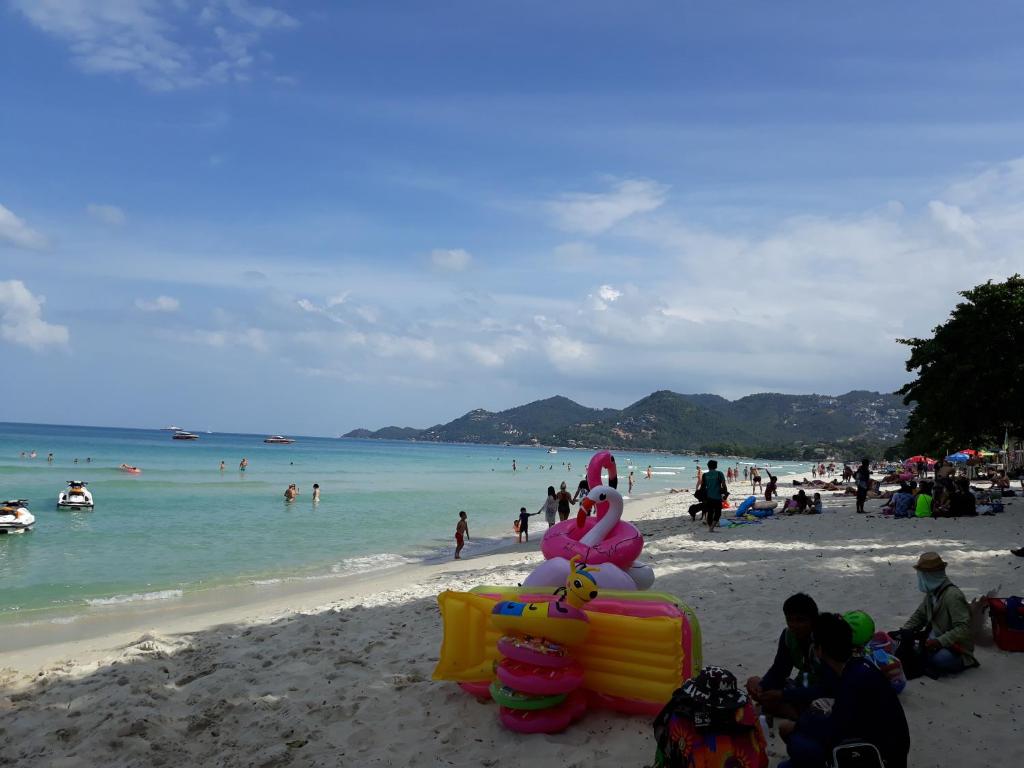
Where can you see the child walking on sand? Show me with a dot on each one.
(524, 523)
(461, 534)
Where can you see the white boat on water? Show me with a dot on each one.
(171, 428)
(552, 450)
(181, 434)
(15, 517)
(76, 496)
(278, 440)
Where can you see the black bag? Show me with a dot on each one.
(701, 493)
(908, 647)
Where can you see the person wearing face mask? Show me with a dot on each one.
(946, 617)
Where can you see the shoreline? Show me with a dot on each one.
(101, 628)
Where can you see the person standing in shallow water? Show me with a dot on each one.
(550, 506)
(461, 534)
(564, 500)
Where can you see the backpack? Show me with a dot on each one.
(734, 738)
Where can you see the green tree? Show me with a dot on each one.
(970, 375)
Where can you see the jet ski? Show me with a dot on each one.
(15, 518)
(76, 496)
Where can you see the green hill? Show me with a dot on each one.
(762, 424)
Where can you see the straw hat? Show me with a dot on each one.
(929, 562)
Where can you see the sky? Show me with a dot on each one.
(305, 217)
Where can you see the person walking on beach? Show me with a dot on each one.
(581, 490)
(863, 478)
(550, 506)
(712, 491)
(461, 534)
(755, 480)
(564, 500)
(316, 493)
(630, 481)
(699, 475)
(524, 523)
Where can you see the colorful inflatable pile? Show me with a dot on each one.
(546, 657)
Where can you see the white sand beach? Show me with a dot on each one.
(341, 675)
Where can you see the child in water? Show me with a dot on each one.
(524, 523)
(461, 534)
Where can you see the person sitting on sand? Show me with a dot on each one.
(944, 612)
(524, 522)
(815, 507)
(776, 692)
(923, 504)
(902, 502)
(866, 708)
(962, 502)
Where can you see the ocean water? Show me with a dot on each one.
(184, 526)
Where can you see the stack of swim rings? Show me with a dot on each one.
(538, 685)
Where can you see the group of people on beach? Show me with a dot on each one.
(825, 689)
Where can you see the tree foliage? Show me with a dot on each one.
(970, 373)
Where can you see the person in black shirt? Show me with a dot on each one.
(777, 693)
(865, 709)
(863, 478)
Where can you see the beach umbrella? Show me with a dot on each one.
(958, 458)
(918, 459)
(969, 451)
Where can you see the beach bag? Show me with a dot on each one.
(709, 723)
(1007, 622)
(890, 666)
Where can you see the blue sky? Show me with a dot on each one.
(305, 217)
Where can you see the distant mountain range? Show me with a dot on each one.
(781, 426)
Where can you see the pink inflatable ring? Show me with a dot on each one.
(533, 650)
(539, 681)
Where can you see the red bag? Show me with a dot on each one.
(1007, 622)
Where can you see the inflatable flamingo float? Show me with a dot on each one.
(604, 541)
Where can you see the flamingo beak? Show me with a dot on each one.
(581, 517)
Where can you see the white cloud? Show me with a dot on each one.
(21, 319)
(451, 260)
(16, 232)
(954, 220)
(159, 44)
(108, 214)
(159, 304)
(594, 213)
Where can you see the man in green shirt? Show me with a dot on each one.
(712, 492)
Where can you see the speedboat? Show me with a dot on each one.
(278, 440)
(15, 518)
(181, 434)
(552, 450)
(77, 496)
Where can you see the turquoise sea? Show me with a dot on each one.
(184, 526)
